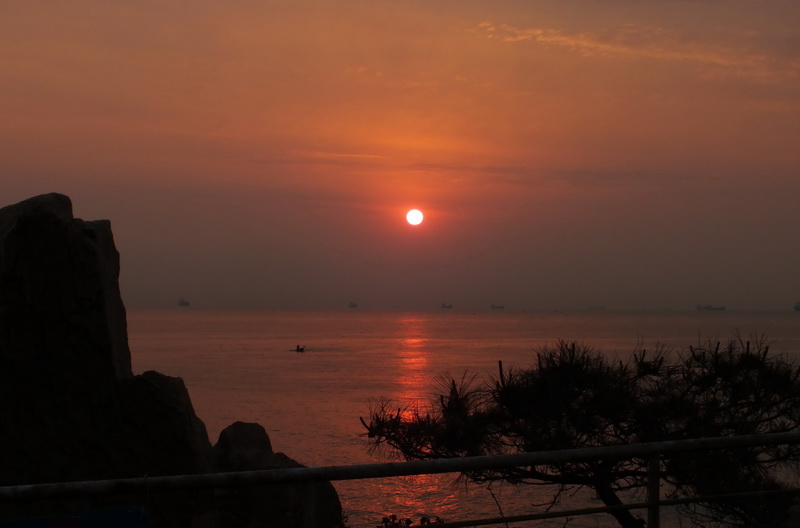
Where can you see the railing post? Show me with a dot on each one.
(653, 491)
(309, 502)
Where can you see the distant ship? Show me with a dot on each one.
(183, 302)
(497, 307)
(709, 307)
(446, 306)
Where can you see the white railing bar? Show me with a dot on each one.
(389, 469)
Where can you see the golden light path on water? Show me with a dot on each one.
(419, 495)
(414, 364)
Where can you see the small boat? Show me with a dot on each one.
(352, 305)
(710, 307)
(797, 307)
(446, 306)
(183, 302)
(497, 307)
(299, 348)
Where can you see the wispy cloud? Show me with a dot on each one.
(530, 176)
(370, 76)
(745, 54)
(337, 156)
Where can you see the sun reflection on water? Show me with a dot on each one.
(415, 497)
(420, 495)
(414, 362)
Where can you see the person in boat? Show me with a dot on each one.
(299, 348)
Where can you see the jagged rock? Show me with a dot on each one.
(159, 414)
(71, 409)
(59, 289)
(241, 447)
(246, 446)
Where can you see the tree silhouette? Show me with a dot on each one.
(574, 397)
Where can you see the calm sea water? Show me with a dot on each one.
(242, 366)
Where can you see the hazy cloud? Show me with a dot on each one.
(336, 156)
(744, 54)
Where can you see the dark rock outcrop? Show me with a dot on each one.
(59, 290)
(246, 446)
(70, 407)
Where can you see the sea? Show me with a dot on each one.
(244, 366)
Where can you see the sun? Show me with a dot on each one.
(414, 217)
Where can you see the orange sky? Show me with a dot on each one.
(637, 155)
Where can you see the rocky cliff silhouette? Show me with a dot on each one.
(71, 408)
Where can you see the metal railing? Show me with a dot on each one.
(652, 452)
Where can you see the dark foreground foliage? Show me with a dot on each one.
(574, 397)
